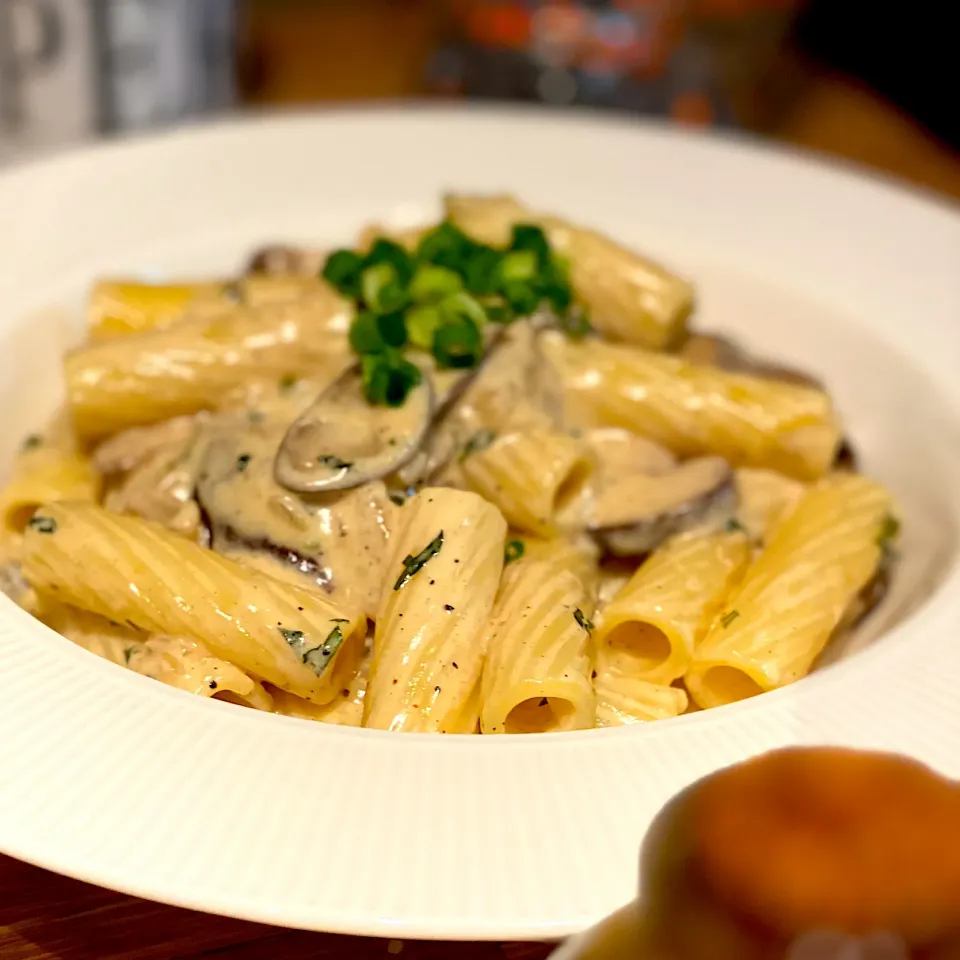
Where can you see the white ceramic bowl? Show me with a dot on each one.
(116, 779)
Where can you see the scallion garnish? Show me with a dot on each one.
(513, 551)
(432, 283)
(458, 345)
(342, 270)
(440, 298)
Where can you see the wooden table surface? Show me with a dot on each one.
(47, 917)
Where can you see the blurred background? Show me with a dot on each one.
(868, 82)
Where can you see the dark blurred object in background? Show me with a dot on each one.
(908, 56)
(696, 61)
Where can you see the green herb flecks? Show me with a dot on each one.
(31, 442)
(287, 382)
(413, 565)
(889, 531)
(317, 658)
(128, 652)
(513, 551)
(477, 442)
(583, 620)
(243, 461)
(397, 498)
(43, 524)
(233, 292)
(733, 525)
(728, 618)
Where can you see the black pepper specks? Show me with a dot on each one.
(212, 684)
(448, 608)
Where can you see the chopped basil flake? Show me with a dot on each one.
(413, 565)
(128, 652)
(513, 551)
(319, 657)
(334, 462)
(888, 531)
(287, 382)
(396, 497)
(581, 619)
(243, 462)
(733, 525)
(43, 524)
(31, 442)
(728, 618)
(479, 441)
(291, 636)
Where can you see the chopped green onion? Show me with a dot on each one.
(514, 550)
(520, 265)
(342, 271)
(422, 324)
(393, 329)
(461, 306)
(386, 251)
(365, 335)
(431, 283)
(458, 345)
(381, 288)
(482, 270)
(444, 245)
(388, 378)
(499, 312)
(521, 296)
(528, 236)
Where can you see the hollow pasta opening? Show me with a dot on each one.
(539, 715)
(643, 642)
(728, 685)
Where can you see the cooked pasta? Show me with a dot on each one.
(476, 476)
(695, 410)
(622, 700)
(650, 628)
(45, 472)
(537, 675)
(530, 476)
(774, 625)
(138, 573)
(428, 649)
(197, 364)
(119, 307)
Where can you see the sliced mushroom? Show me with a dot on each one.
(342, 441)
(711, 350)
(636, 514)
(127, 450)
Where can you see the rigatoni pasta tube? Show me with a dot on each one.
(136, 572)
(579, 557)
(45, 472)
(622, 700)
(536, 678)
(442, 576)
(696, 410)
(774, 625)
(649, 630)
(120, 307)
(196, 364)
(530, 476)
(628, 296)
